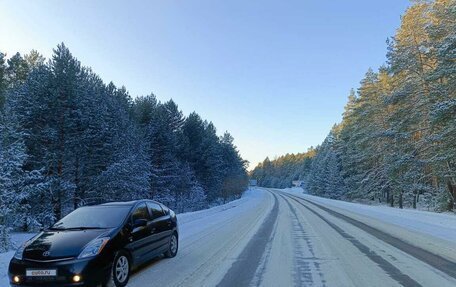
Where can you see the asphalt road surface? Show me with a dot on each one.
(273, 238)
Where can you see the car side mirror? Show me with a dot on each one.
(139, 223)
(44, 228)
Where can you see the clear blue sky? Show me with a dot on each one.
(276, 74)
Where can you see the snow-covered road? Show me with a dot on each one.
(273, 238)
(279, 238)
(210, 242)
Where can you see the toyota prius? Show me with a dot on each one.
(96, 245)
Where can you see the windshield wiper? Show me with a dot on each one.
(75, 228)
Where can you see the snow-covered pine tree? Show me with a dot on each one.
(233, 169)
(17, 70)
(161, 142)
(125, 162)
(412, 60)
(325, 175)
(12, 175)
(3, 82)
(211, 176)
(442, 152)
(335, 185)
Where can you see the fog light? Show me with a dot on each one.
(76, 278)
(16, 279)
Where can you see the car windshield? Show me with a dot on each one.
(93, 217)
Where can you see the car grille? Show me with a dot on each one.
(49, 260)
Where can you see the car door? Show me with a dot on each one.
(140, 236)
(161, 224)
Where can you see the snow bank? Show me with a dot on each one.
(299, 190)
(191, 223)
(195, 215)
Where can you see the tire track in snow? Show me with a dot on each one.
(442, 264)
(244, 268)
(305, 266)
(209, 262)
(389, 268)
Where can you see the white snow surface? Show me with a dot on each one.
(440, 225)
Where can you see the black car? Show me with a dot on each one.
(96, 245)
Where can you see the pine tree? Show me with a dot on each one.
(233, 169)
(34, 60)
(3, 81)
(161, 141)
(442, 153)
(12, 157)
(17, 70)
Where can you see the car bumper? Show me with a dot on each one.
(93, 271)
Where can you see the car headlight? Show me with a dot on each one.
(94, 247)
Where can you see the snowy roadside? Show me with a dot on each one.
(432, 231)
(185, 220)
(191, 223)
(195, 215)
(441, 225)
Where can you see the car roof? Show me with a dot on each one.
(127, 203)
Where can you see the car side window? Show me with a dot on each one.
(140, 212)
(155, 210)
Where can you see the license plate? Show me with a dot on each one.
(41, 272)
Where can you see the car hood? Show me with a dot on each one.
(52, 245)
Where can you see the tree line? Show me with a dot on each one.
(281, 171)
(397, 140)
(68, 140)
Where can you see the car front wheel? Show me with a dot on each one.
(120, 272)
(173, 246)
